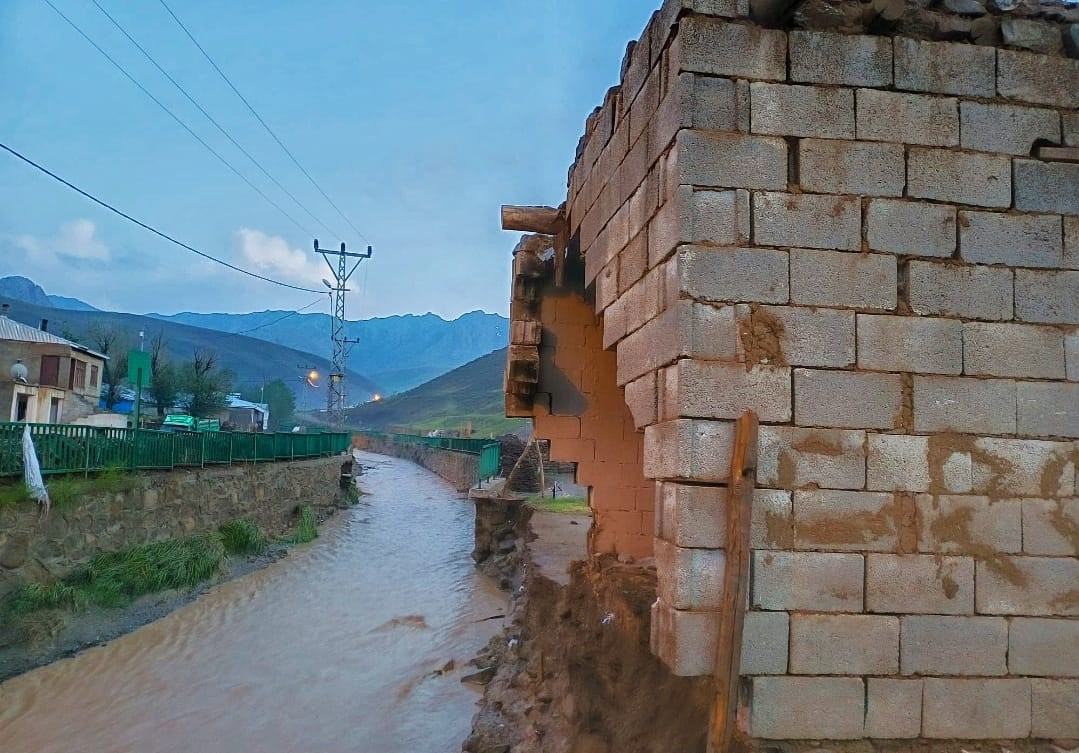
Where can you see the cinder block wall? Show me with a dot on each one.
(849, 235)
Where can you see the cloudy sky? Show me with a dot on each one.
(418, 119)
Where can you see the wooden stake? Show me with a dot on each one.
(735, 581)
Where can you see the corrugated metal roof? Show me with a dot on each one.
(13, 330)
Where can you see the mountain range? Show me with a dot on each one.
(394, 353)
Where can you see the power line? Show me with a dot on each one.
(175, 117)
(153, 230)
(280, 319)
(209, 117)
(263, 122)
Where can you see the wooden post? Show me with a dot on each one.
(735, 581)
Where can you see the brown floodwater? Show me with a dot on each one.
(334, 648)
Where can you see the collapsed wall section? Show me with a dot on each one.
(873, 243)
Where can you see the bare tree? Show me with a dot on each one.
(113, 341)
(205, 384)
(165, 381)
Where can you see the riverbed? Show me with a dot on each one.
(342, 646)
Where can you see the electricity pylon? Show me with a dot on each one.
(335, 390)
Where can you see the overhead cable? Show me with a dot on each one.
(258, 117)
(184, 125)
(152, 229)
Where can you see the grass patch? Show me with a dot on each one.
(12, 494)
(306, 528)
(564, 505)
(66, 491)
(242, 537)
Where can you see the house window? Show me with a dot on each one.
(54, 410)
(94, 384)
(78, 375)
(50, 371)
(22, 405)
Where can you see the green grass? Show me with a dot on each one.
(306, 528)
(12, 494)
(565, 505)
(242, 537)
(66, 491)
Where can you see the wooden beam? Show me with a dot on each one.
(545, 220)
(735, 581)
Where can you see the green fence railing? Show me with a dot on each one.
(488, 450)
(67, 448)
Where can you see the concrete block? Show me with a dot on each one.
(847, 400)
(968, 291)
(807, 220)
(772, 524)
(903, 343)
(1053, 704)
(641, 398)
(960, 177)
(911, 228)
(837, 278)
(1018, 240)
(1037, 586)
(936, 645)
(734, 274)
(1006, 129)
(1043, 79)
(685, 641)
(818, 581)
(907, 118)
(807, 111)
(711, 389)
(961, 524)
(692, 516)
(964, 405)
(854, 167)
(688, 449)
(844, 644)
(708, 45)
(810, 336)
(1070, 125)
(896, 462)
(919, 584)
(944, 68)
(1013, 350)
(1048, 409)
(686, 329)
(689, 578)
(1046, 186)
(719, 218)
(793, 458)
(1071, 355)
(730, 160)
(1022, 467)
(976, 709)
(1044, 296)
(1044, 647)
(893, 708)
(1071, 242)
(764, 644)
(820, 57)
(845, 521)
(1051, 526)
(632, 263)
(712, 102)
(818, 708)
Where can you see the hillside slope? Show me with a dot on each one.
(253, 361)
(469, 393)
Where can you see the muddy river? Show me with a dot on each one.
(337, 647)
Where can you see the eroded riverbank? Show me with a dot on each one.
(324, 651)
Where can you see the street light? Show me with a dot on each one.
(327, 283)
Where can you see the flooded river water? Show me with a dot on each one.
(334, 648)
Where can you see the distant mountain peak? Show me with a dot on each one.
(26, 290)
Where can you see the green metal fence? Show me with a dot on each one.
(66, 448)
(488, 450)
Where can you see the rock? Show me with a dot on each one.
(952, 28)
(507, 545)
(1071, 40)
(1004, 6)
(14, 555)
(625, 559)
(1036, 36)
(482, 677)
(965, 7)
(984, 31)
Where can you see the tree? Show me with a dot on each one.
(279, 398)
(206, 386)
(165, 380)
(113, 341)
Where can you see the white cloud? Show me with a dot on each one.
(76, 240)
(272, 256)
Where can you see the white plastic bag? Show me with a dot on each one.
(35, 485)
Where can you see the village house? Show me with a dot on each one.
(48, 379)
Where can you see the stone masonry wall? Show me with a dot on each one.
(161, 505)
(853, 236)
(459, 468)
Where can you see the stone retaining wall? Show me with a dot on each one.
(861, 239)
(160, 505)
(459, 468)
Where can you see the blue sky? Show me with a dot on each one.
(419, 119)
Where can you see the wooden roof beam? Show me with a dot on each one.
(544, 220)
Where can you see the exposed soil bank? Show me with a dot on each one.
(60, 633)
(577, 676)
